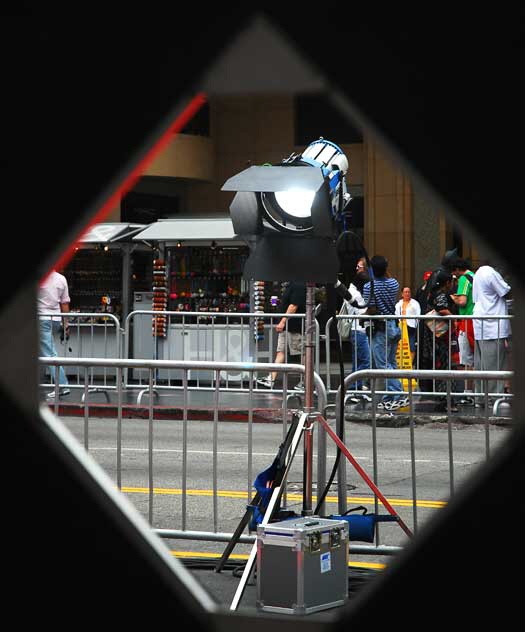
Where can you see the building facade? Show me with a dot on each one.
(395, 215)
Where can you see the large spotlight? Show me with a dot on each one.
(291, 214)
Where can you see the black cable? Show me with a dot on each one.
(340, 289)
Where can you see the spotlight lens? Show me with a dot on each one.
(296, 202)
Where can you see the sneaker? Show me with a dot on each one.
(467, 401)
(386, 404)
(352, 400)
(265, 382)
(365, 396)
(403, 402)
(61, 392)
(299, 387)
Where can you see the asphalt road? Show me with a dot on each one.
(159, 461)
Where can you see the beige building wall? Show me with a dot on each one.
(388, 212)
(186, 156)
(251, 130)
(246, 131)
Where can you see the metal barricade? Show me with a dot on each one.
(205, 336)
(375, 374)
(91, 335)
(216, 534)
(366, 323)
(151, 366)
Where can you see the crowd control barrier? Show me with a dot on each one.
(185, 529)
(90, 335)
(421, 361)
(151, 366)
(373, 375)
(206, 336)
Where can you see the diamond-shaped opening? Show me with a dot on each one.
(252, 118)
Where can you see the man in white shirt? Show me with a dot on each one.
(490, 293)
(53, 298)
(360, 344)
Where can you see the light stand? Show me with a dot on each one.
(291, 241)
(308, 400)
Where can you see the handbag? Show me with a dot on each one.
(344, 324)
(439, 326)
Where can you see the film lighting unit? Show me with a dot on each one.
(293, 215)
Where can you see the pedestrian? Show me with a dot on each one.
(53, 298)
(361, 275)
(443, 339)
(386, 333)
(289, 329)
(492, 335)
(421, 293)
(465, 304)
(447, 264)
(358, 337)
(408, 306)
(426, 360)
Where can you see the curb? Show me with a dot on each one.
(400, 421)
(266, 415)
(259, 415)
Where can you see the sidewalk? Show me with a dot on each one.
(266, 407)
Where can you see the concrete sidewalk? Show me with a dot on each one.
(265, 407)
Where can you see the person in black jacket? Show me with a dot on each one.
(290, 330)
(443, 341)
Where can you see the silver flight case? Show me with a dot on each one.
(302, 565)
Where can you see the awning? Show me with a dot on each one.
(111, 232)
(189, 231)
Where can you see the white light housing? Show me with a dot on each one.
(296, 202)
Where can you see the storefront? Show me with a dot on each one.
(199, 268)
(106, 269)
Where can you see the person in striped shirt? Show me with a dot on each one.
(386, 333)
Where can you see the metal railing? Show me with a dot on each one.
(91, 335)
(185, 366)
(193, 336)
(185, 532)
(205, 336)
(366, 322)
(376, 374)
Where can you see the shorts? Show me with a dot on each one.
(295, 342)
(466, 353)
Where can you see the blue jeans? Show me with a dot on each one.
(47, 347)
(360, 355)
(384, 349)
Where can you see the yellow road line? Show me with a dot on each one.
(242, 556)
(395, 502)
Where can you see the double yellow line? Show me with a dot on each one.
(242, 556)
(395, 502)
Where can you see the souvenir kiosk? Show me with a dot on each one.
(198, 269)
(102, 275)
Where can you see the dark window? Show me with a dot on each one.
(316, 116)
(144, 208)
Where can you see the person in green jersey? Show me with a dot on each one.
(463, 299)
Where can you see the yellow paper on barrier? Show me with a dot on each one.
(403, 358)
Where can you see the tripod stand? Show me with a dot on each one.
(303, 425)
